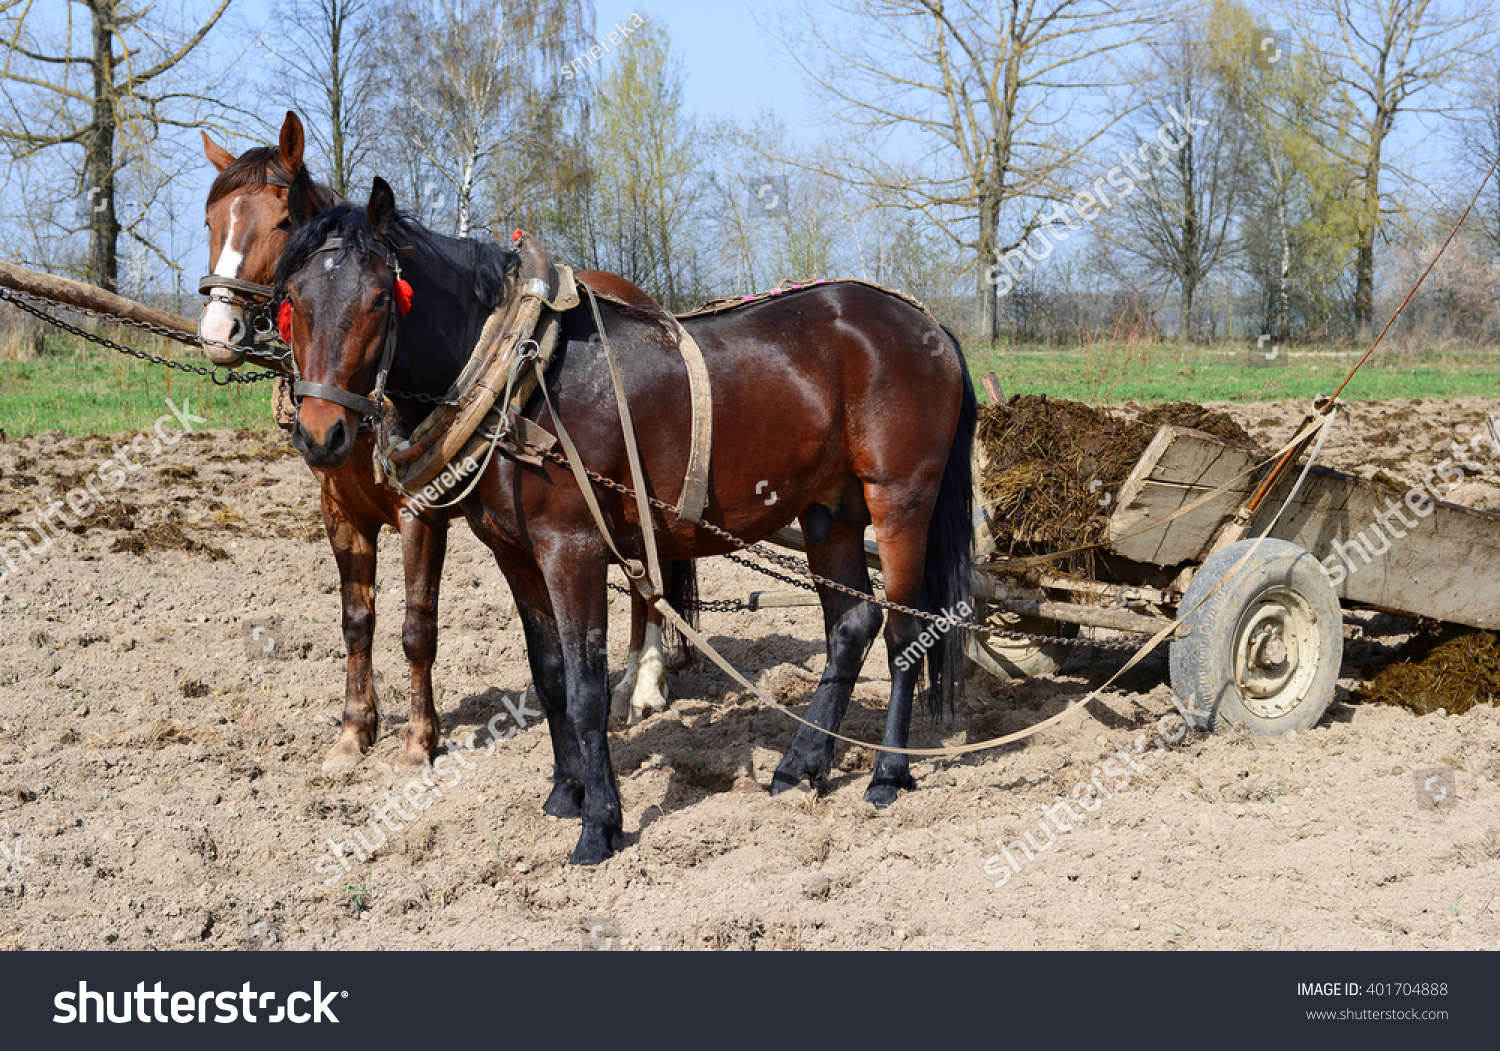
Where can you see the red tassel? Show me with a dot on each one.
(515, 238)
(403, 295)
(284, 321)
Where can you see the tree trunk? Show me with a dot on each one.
(338, 17)
(1283, 304)
(987, 305)
(1369, 225)
(99, 154)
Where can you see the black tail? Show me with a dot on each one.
(682, 595)
(946, 577)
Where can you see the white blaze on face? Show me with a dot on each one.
(218, 319)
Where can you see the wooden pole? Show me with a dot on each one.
(77, 294)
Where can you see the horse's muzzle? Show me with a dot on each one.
(334, 448)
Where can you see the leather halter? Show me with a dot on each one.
(231, 290)
(373, 406)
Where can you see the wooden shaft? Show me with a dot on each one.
(88, 297)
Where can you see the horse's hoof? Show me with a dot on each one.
(566, 801)
(596, 845)
(796, 772)
(343, 756)
(886, 790)
(415, 755)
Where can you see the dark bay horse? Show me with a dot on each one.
(831, 395)
(254, 205)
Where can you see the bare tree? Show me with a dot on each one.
(90, 94)
(324, 54)
(997, 100)
(645, 179)
(1379, 57)
(1182, 221)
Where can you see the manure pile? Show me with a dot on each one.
(1441, 666)
(1051, 464)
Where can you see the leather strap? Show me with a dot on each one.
(700, 450)
(338, 395)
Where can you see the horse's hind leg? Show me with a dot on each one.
(851, 626)
(901, 529)
(643, 688)
(354, 550)
(424, 542)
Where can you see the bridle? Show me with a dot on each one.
(372, 407)
(256, 300)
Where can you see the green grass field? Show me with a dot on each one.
(79, 388)
(1162, 373)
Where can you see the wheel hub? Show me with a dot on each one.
(1275, 652)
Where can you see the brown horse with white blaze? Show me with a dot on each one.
(833, 394)
(256, 203)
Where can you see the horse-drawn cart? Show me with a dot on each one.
(1263, 650)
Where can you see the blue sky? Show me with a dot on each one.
(732, 67)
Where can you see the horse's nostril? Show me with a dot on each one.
(236, 329)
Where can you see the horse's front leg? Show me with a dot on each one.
(353, 542)
(424, 542)
(576, 584)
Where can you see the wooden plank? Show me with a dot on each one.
(1443, 565)
(78, 294)
(791, 537)
(1178, 467)
(992, 388)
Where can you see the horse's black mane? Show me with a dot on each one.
(493, 266)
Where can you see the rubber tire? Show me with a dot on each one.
(1203, 663)
(1023, 661)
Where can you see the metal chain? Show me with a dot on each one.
(21, 300)
(28, 302)
(764, 552)
(717, 605)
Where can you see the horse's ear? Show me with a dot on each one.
(381, 211)
(217, 155)
(293, 141)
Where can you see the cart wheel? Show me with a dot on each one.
(1008, 659)
(1265, 648)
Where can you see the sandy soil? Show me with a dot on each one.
(160, 781)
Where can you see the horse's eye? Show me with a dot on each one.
(285, 224)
